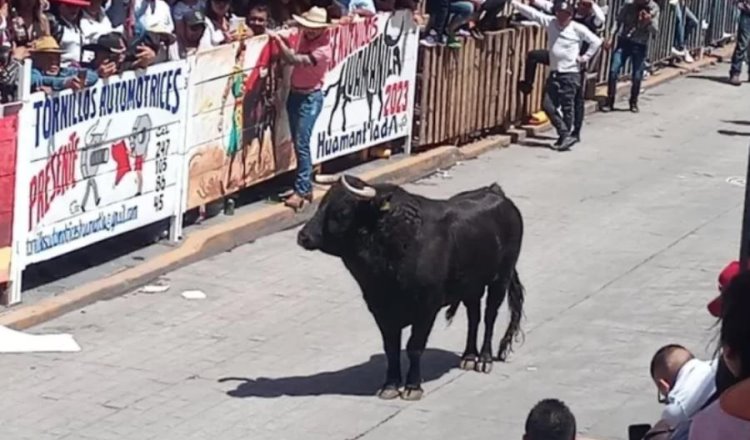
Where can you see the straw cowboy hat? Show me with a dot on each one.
(315, 18)
(46, 44)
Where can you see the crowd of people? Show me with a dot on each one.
(73, 43)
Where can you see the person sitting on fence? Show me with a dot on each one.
(743, 40)
(685, 23)
(589, 14)
(636, 24)
(487, 17)
(310, 61)
(565, 40)
(46, 73)
(446, 17)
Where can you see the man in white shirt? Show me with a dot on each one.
(565, 38)
(684, 383)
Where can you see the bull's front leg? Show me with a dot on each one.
(420, 332)
(391, 333)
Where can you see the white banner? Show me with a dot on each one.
(369, 89)
(100, 161)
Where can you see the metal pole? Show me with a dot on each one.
(745, 243)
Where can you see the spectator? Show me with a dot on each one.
(257, 19)
(195, 25)
(636, 24)
(68, 14)
(9, 70)
(218, 29)
(743, 39)
(685, 22)
(149, 15)
(565, 40)
(589, 14)
(724, 378)
(27, 23)
(729, 416)
(155, 44)
(5, 40)
(310, 61)
(179, 11)
(684, 384)
(487, 14)
(95, 23)
(47, 73)
(446, 16)
(334, 9)
(394, 5)
(359, 7)
(550, 419)
(109, 54)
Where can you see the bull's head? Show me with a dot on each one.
(349, 204)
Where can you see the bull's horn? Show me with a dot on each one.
(367, 192)
(326, 179)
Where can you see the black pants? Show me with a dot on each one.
(488, 12)
(533, 58)
(560, 92)
(541, 56)
(439, 11)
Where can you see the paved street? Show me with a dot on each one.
(625, 237)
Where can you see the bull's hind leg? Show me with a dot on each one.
(495, 298)
(471, 354)
(420, 331)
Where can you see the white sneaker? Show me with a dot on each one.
(704, 25)
(678, 53)
(688, 58)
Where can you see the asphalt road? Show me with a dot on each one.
(625, 236)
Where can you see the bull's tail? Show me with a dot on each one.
(515, 304)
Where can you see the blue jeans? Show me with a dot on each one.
(441, 10)
(625, 50)
(303, 110)
(684, 25)
(743, 38)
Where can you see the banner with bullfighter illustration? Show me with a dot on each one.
(238, 133)
(369, 88)
(101, 161)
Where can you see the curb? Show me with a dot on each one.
(235, 232)
(623, 89)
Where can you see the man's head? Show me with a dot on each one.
(564, 10)
(666, 365)
(195, 25)
(45, 55)
(314, 22)
(585, 7)
(257, 19)
(109, 48)
(550, 419)
(641, 3)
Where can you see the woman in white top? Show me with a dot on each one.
(218, 29)
(68, 13)
(95, 23)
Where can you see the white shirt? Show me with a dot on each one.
(92, 28)
(564, 44)
(598, 20)
(695, 383)
(212, 36)
(367, 5)
(157, 18)
(70, 44)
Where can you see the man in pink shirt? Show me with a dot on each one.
(310, 60)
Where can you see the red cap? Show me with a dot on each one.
(74, 2)
(725, 277)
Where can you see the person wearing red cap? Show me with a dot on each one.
(728, 417)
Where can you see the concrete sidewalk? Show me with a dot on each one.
(625, 236)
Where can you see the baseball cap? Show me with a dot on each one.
(194, 18)
(725, 277)
(111, 42)
(564, 6)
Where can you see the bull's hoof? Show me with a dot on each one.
(468, 363)
(389, 392)
(412, 394)
(484, 367)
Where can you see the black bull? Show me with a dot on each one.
(411, 256)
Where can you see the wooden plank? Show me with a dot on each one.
(502, 114)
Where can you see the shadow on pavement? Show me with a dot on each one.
(733, 133)
(718, 79)
(359, 380)
(737, 122)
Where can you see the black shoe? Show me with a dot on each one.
(524, 87)
(576, 136)
(558, 142)
(567, 142)
(607, 107)
(634, 107)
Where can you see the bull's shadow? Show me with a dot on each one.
(364, 379)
